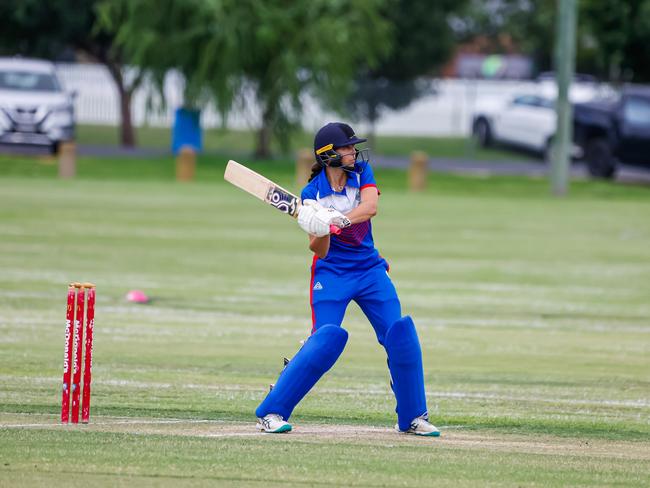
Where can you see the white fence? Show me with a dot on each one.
(447, 113)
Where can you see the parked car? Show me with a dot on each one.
(34, 109)
(528, 120)
(614, 130)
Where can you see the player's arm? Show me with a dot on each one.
(316, 220)
(367, 209)
(319, 245)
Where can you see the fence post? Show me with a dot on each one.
(304, 162)
(67, 155)
(186, 164)
(418, 171)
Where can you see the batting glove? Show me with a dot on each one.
(309, 222)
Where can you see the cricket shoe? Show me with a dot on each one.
(273, 424)
(420, 426)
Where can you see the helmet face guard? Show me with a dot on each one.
(328, 157)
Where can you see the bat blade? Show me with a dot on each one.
(262, 188)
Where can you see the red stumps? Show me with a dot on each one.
(77, 354)
(67, 351)
(74, 346)
(88, 361)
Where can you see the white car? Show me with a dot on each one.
(526, 120)
(34, 109)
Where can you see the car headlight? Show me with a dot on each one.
(61, 117)
(5, 123)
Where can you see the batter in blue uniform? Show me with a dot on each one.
(346, 267)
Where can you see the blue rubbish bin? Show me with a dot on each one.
(186, 130)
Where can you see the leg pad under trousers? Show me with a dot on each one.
(313, 360)
(405, 365)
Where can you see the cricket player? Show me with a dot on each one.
(342, 191)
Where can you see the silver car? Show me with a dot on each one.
(34, 109)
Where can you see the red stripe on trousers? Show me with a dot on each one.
(311, 294)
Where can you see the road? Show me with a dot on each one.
(627, 174)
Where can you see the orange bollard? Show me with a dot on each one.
(186, 164)
(418, 171)
(304, 162)
(67, 159)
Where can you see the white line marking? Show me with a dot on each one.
(636, 403)
(57, 424)
(233, 434)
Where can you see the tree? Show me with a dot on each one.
(423, 41)
(48, 29)
(619, 35)
(613, 38)
(276, 49)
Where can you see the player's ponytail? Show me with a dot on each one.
(316, 168)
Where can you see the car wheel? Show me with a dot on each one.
(599, 158)
(483, 132)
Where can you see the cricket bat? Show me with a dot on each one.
(264, 189)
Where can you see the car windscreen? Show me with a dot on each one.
(28, 81)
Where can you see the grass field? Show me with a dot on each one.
(533, 315)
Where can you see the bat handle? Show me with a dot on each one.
(334, 230)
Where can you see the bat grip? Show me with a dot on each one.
(334, 230)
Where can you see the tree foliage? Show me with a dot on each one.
(423, 41)
(613, 36)
(276, 49)
(33, 29)
(618, 37)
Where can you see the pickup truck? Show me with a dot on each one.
(614, 130)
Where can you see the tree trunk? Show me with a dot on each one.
(263, 149)
(373, 115)
(371, 136)
(127, 134)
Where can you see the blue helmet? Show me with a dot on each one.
(331, 137)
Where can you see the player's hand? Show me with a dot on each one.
(333, 217)
(309, 222)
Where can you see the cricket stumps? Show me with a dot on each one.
(80, 309)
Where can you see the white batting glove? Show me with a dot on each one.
(332, 217)
(308, 221)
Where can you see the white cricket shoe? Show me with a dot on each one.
(420, 426)
(273, 424)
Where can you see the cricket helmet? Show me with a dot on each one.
(331, 137)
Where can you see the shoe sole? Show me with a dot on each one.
(435, 433)
(279, 430)
(427, 434)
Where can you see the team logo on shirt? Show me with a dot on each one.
(318, 286)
